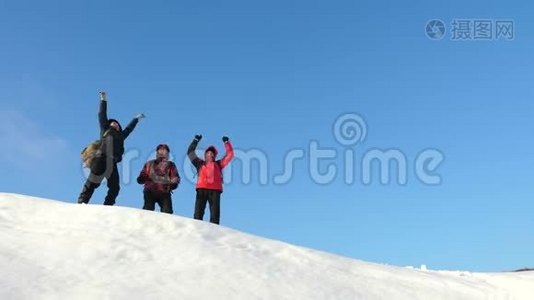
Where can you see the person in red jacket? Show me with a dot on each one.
(160, 178)
(210, 182)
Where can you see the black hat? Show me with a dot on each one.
(163, 146)
(113, 120)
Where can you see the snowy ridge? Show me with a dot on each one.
(56, 250)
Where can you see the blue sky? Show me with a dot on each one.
(274, 77)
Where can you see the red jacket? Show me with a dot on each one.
(159, 175)
(210, 173)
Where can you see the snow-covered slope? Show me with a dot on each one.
(56, 250)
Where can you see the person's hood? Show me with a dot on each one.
(212, 149)
(113, 120)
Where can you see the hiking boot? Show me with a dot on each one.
(109, 202)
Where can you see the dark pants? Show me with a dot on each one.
(163, 199)
(213, 197)
(101, 168)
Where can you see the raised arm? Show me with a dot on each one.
(103, 113)
(229, 155)
(131, 126)
(197, 162)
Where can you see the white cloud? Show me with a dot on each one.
(25, 143)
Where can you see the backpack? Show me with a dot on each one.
(155, 176)
(161, 182)
(89, 152)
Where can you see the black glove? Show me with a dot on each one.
(225, 139)
(142, 179)
(198, 137)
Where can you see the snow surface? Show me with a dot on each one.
(56, 250)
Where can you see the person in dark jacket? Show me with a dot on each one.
(210, 182)
(104, 164)
(160, 178)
